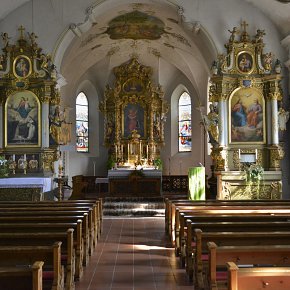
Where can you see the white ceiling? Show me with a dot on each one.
(277, 11)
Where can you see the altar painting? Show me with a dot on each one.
(247, 116)
(22, 116)
(133, 119)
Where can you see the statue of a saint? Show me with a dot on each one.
(283, 117)
(211, 122)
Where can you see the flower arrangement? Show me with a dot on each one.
(3, 167)
(254, 172)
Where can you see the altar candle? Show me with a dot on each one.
(256, 153)
(239, 153)
(13, 157)
(25, 157)
(116, 150)
(147, 150)
(140, 152)
(128, 150)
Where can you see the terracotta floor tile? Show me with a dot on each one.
(133, 254)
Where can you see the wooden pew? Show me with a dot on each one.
(227, 239)
(256, 278)
(219, 222)
(236, 210)
(171, 204)
(68, 203)
(22, 278)
(250, 209)
(276, 255)
(44, 239)
(32, 227)
(91, 211)
(26, 212)
(25, 255)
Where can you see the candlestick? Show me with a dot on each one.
(94, 168)
(239, 153)
(13, 157)
(147, 151)
(24, 157)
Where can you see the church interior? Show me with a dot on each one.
(175, 109)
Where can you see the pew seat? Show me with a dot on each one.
(30, 277)
(256, 278)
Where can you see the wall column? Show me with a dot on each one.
(223, 121)
(274, 122)
(45, 125)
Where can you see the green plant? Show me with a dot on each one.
(110, 162)
(157, 163)
(3, 167)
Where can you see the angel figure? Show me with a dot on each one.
(32, 36)
(268, 60)
(234, 32)
(259, 35)
(283, 117)
(5, 39)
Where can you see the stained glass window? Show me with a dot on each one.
(82, 123)
(184, 123)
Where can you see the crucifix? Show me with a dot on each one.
(244, 25)
(21, 29)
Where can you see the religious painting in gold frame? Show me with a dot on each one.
(247, 117)
(22, 67)
(22, 120)
(245, 62)
(134, 118)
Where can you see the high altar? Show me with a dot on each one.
(33, 124)
(134, 112)
(246, 119)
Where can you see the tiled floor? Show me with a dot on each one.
(133, 254)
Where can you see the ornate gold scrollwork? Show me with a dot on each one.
(276, 155)
(134, 104)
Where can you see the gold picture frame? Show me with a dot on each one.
(22, 67)
(22, 120)
(247, 119)
(245, 62)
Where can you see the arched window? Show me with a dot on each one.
(82, 123)
(184, 123)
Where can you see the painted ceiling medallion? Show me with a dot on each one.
(136, 25)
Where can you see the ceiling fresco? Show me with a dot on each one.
(136, 25)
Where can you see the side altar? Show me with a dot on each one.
(33, 125)
(246, 122)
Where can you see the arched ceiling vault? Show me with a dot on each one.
(137, 30)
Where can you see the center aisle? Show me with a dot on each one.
(133, 254)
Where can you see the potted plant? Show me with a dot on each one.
(4, 170)
(157, 162)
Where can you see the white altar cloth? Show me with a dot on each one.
(123, 173)
(43, 182)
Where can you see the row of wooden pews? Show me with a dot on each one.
(210, 236)
(62, 235)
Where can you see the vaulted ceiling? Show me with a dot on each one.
(277, 10)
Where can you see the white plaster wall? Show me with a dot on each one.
(215, 16)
